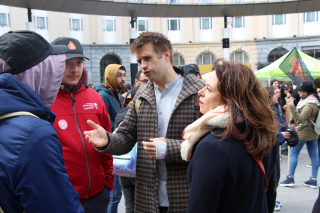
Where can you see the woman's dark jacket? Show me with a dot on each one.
(223, 177)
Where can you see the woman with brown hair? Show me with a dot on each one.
(226, 145)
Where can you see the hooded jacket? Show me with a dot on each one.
(89, 170)
(32, 172)
(110, 93)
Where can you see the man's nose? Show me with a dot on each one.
(143, 65)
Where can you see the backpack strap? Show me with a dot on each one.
(15, 114)
(257, 160)
(260, 164)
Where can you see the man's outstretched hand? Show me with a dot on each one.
(98, 136)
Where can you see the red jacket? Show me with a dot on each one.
(89, 170)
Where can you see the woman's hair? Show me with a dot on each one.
(248, 101)
(272, 81)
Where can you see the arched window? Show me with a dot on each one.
(276, 54)
(178, 60)
(206, 58)
(105, 61)
(240, 57)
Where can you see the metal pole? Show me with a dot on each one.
(133, 61)
(30, 24)
(225, 41)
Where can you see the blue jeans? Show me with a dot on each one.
(99, 204)
(115, 196)
(313, 154)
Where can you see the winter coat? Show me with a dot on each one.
(32, 172)
(143, 125)
(306, 110)
(282, 127)
(224, 177)
(72, 111)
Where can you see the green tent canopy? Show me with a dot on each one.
(273, 71)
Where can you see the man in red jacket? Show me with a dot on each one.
(90, 172)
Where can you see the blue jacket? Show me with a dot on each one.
(282, 126)
(32, 172)
(111, 99)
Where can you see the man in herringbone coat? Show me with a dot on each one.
(159, 113)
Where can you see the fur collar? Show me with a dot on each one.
(311, 99)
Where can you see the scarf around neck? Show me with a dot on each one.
(311, 99)
(216, 118)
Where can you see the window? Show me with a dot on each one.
(173, 24)
(276, 54)
(315, 53)
(310, 17)
(109, 25)
(142, 24)
(238, 22)
(204, 1)
(206, 58)
(240, 57)
(178, 60)
(205, 23)
(173, 1)
(279, 19)
(4, 20)
(105, 61)
(75, 24)
(41, 22)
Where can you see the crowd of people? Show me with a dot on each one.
(202, 146)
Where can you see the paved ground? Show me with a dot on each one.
(299, 199)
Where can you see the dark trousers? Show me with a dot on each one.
(98, 204)
(163, 209)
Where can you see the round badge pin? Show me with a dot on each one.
(63, 125)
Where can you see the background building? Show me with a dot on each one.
(254, 40)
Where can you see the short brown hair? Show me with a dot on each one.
(248, 102)
(316, 83)
(159, 41)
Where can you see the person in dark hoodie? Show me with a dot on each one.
(32, 173)
(114, 76)
(90, 172)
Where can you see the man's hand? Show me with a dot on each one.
(98, 136)
(291, 105)
(150, 147)
(286, 134)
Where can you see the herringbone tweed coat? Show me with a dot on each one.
(143, 126)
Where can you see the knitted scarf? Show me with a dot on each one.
(219, 117)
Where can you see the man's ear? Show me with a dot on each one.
(167, 55)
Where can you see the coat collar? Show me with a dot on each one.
(191, 85)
